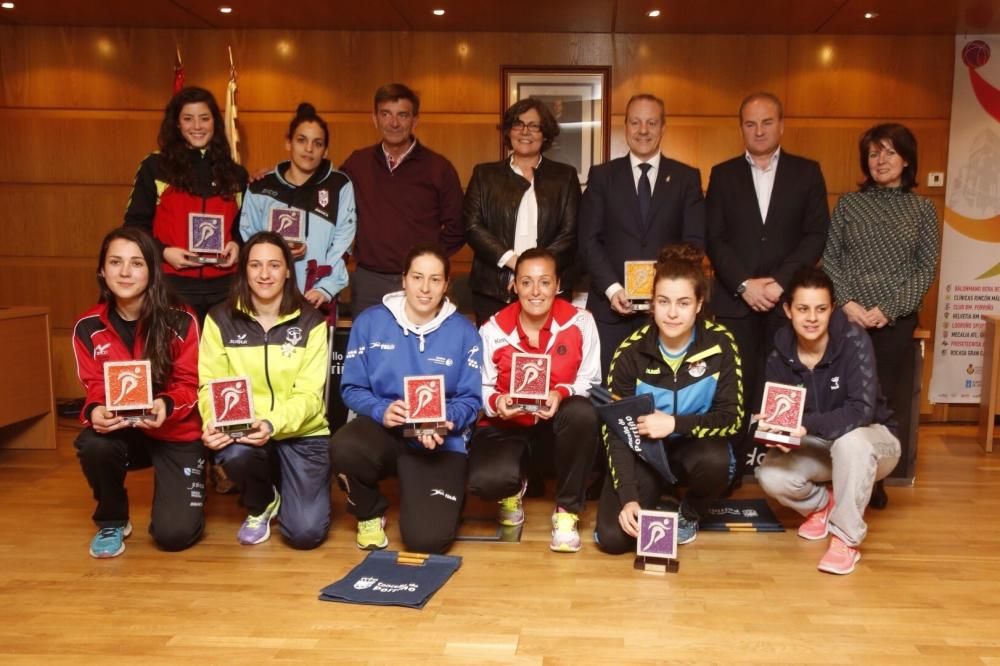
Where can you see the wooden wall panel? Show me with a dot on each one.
(67, 286)
(58, 220)
(704, 75)
(875, 77)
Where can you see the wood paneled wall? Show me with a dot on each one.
(80, 107)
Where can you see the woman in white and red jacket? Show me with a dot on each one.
(138, 318)
(192, 173)
(538, 323)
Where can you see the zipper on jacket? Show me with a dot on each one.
(267, 372)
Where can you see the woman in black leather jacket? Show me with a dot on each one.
(520, 202)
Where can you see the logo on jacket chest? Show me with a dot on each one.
(293, 336)
(834, 383)
(323, 197)
(101, 350)
(697, 369)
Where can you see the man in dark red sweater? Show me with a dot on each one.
(406, 194)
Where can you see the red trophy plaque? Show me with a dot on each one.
(287, 223)
(781, 412)
(128, 389)
(424, 398)
(232, 405)
(206, 236)
(639, 278)
(656, 546)
(529, 380)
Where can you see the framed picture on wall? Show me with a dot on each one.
(579, 98)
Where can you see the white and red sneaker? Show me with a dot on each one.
(816, 525)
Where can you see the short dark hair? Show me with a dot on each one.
(646, 97)
(683, 262)
(765, 96)
(902, 141)
(306, 113)
(535, 253)
(810, 277)
(393, 92)
(432, 249)
(550, 126)
(240, 295)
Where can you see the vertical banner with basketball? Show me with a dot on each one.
(970, 253)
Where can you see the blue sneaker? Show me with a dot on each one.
(687, 530)
(109, 541)
(257, 529)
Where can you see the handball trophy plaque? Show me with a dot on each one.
(781, 412)
(128, 389)
(529, 380)
(656, 546)
(287, 223)
(206, 236)
(639, 278)
(424, 398)
(232, 405)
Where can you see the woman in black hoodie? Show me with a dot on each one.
(852, 440)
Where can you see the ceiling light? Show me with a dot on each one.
(438, 12)
(871, 15)
(653, 13)
(7, 5)
(225, 10)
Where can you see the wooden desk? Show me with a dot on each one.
(27, 412)
(989, 399)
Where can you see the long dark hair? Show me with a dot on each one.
(241, 298)
(177, 155)
(161, 317)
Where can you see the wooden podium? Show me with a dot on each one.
(27, 411)
(989, 399)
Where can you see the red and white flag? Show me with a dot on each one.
(178, 73)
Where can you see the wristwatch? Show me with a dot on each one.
(743, 287)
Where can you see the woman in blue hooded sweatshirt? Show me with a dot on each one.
(416, 331)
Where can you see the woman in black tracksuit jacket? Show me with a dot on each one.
(690, 367)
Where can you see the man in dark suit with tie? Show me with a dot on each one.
(767, 216)
(633, 206)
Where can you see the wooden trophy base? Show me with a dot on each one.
(782, 438)
(236, 430)
(423, 429)
(656, 565)
(133, 416)
(530, 405)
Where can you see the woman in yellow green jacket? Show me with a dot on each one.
(267, 332)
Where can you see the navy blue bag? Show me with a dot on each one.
(382, 579)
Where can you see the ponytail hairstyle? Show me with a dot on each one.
(683, 261)
(306, 113)
(162, 317)
(177, 159)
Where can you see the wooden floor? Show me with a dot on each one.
(926, 591)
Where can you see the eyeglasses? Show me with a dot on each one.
(519, 126)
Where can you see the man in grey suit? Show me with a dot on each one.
(633, 206)
(767, 216)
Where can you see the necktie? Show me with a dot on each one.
(645, 194)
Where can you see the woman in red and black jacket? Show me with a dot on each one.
(137, 318)
(193, 172)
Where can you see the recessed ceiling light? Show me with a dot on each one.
(225, 10)
(438, 12)
(871, 15)
(653, 13)
(7, 5)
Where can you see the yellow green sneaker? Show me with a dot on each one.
(371, 534)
